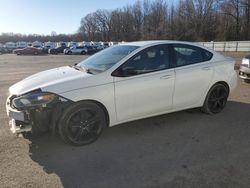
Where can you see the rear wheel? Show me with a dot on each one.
(69, 53)
(216, 99)
(83, 53)
(82, 123)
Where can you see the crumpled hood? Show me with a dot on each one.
(47, 79)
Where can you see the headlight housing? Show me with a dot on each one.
(36, 98)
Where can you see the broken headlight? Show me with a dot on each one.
(37, 98)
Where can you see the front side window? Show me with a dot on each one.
(187, 54)
(149, 60)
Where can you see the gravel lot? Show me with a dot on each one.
(184, 149)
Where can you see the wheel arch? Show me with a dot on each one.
(102, 106)
(204, 107)
(223, 83)
(218, 82)
(58, 110)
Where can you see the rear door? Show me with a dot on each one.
(193, 74)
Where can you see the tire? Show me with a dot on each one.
(52, 52)
(83, 53)
(216, 99)
(69, 52)
(81, 123)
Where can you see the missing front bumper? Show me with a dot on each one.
(18, 120)
(17, 127)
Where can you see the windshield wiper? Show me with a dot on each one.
(89, 71)
(77, 68)
(80, 68)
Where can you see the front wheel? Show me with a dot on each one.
(216, 99)
(82, 123)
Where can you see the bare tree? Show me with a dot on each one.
(233, 9)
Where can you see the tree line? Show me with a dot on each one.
(190, 20)
(14, 37)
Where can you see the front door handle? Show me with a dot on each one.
(205, 68)
(166, 77)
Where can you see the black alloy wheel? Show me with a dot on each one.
(216, 99)
(82, 123)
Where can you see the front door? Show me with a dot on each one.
(144, 84)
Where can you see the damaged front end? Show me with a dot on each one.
(35, 112)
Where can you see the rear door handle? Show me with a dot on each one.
(205, 68)
(166, 77)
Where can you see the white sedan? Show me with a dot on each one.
(120, 84)
(76, 50)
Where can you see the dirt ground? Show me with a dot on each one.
(185, 149)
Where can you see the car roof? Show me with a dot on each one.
(155, 42)
(149, 43)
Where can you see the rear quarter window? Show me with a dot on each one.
(187, 54)
(207, 55)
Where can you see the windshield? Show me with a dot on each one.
(105, 59)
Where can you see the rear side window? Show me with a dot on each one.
(188, 54)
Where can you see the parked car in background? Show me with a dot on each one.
(48, 45)
(106, 44)
(92, 49)
(244, 71)
(29, 44)
(100, 47)
(63, 44)
(10, 46)
(37, 44)
(3, 50)
(76, 50)
(57, 50)
(120, 84)
(45, 49)
(28, 51)
(21, 44)
(72, 44)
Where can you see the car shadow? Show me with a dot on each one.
(183, 149)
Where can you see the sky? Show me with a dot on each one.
(45, 16)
